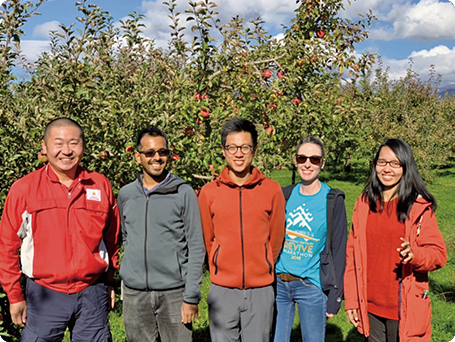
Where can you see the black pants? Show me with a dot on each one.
(382, 329)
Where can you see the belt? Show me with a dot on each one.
(287, 277)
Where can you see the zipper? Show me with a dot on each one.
(145, 243)
(68, 242)
(241, 238)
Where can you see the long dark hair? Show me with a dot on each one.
(410, 187)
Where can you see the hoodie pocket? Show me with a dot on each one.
(267, 259)
(215, 258)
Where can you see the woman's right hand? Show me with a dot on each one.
(353, 317)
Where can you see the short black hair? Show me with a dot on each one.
(238, 125)
(62, 122)
(151, 131)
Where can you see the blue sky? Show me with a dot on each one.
(422, 30)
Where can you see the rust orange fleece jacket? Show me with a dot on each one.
(244, 228)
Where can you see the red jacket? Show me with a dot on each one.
(429, 251)
(244, 228)
(67, 236)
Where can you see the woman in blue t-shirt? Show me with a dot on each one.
(311, 264)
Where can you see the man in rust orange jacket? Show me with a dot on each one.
(243, 219)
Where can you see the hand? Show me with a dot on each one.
(406, 251)
(353, 317)
(329, 315)
(18, 313)
(110, 298)
(189, 312)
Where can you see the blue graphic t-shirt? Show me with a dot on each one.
(306, 232)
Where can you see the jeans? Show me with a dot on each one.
(312, 307)
(147, 314)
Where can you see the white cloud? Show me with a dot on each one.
(428, 20)
(442, 57)
(274, 13)
(43, 30)
(32, 49)
(425, 20)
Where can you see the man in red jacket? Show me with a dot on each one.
(243, 219)
(64, 220)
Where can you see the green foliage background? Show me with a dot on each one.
(115, 82)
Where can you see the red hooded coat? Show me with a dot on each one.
(428, 247)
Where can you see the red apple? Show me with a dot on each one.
(197, 96)
(296, 101)
(211, 167)
(205, 113)
(129, 149)
(103, 154)
(205, 97)
(267, 73)
(266, 124)
(280, 75)
(320, 34)
(175, 157)
(269, 131)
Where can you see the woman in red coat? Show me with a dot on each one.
(394, 242)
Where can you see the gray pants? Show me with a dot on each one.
(149, 314)
(235, 313)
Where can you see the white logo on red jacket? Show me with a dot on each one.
(94, 195)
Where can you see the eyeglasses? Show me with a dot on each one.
(394, 163)
(301, 159)
(232, 149)
(151, 153)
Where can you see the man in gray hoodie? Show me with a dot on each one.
(164, 248)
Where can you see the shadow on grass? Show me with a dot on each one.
(333, 334)
(446, 292)
(354, 336)
(201, 334)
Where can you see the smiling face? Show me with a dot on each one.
(64, 148)
(308, 172)
(388, 176)
(239, 164)
(153, 167)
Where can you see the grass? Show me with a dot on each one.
(442, 282)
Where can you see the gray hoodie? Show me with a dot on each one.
(162, 236)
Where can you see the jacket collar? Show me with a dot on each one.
(257, 177)
(81, 174)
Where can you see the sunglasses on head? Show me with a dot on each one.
(151, 153)
(301, 159)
